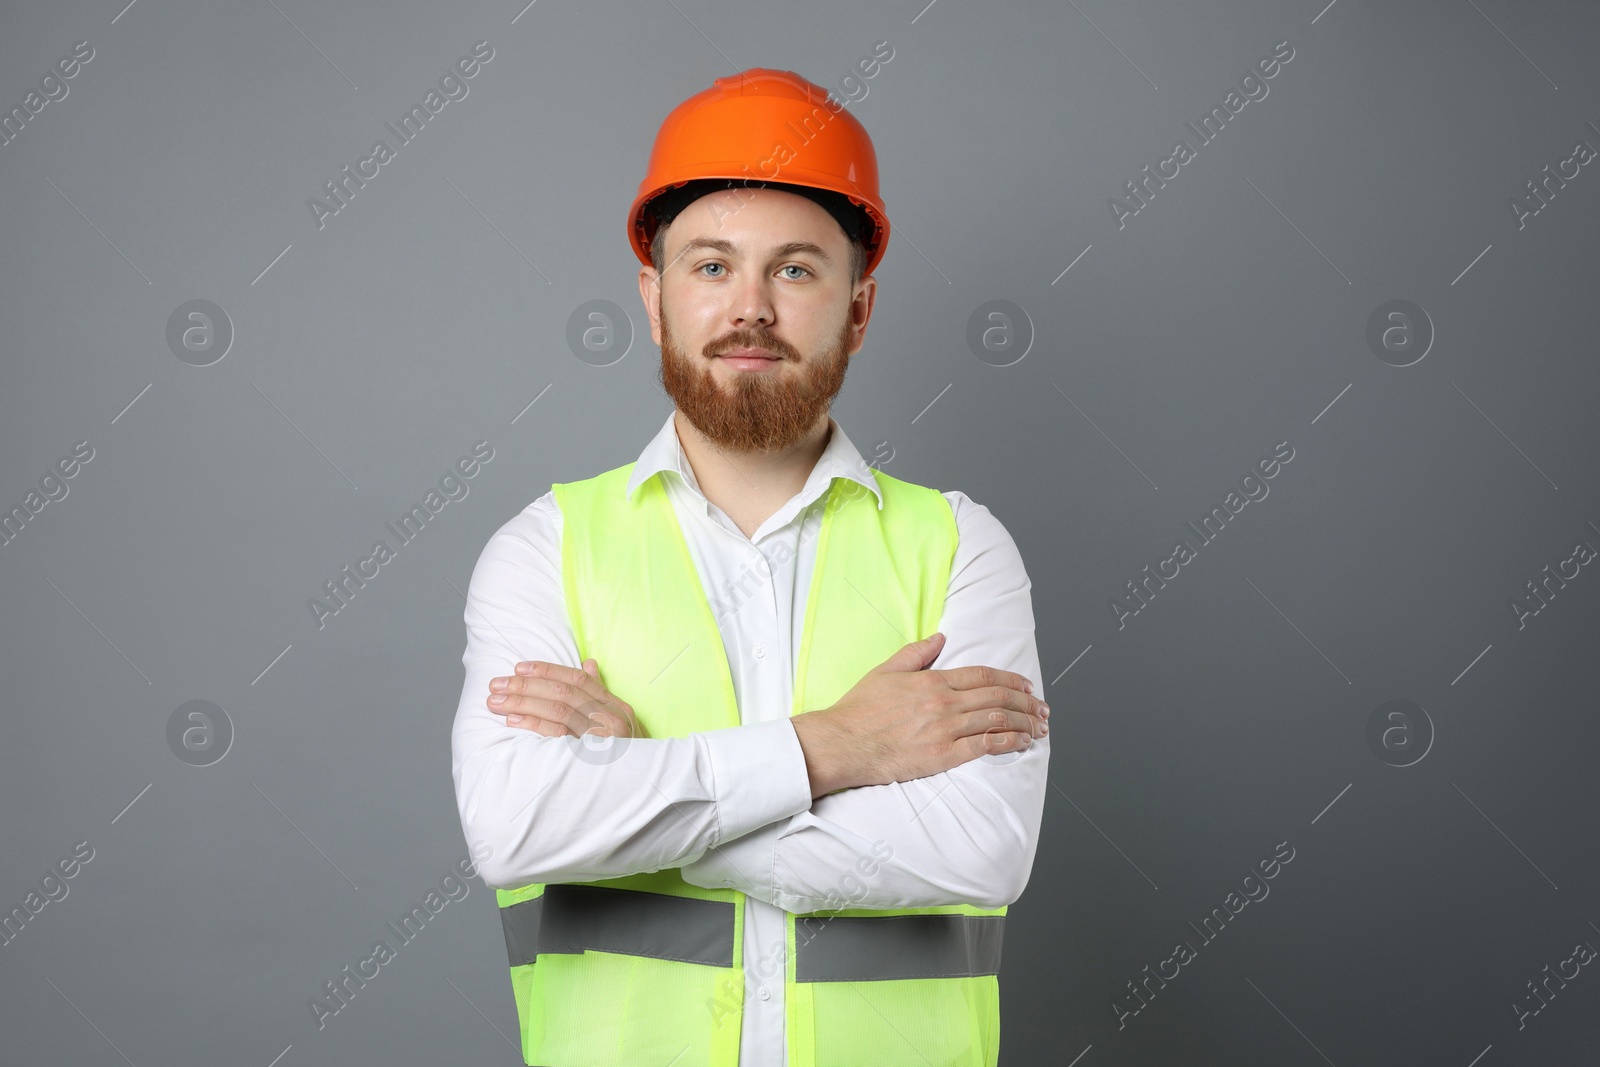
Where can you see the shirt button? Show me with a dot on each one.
(760, 651)
(764, 993)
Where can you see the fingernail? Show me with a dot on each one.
(1027, 685)
(1045, 710)
(1044, 728)
(497, 699)
(514, 720)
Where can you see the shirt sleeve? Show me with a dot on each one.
(965, 836)
(553, 809)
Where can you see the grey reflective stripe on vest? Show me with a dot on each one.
(520, 924)
(852, 948)
(575, 918)
(578, 918)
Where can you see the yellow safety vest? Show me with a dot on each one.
(647, 970)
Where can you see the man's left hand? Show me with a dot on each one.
(560, 701)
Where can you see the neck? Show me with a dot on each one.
(751, 486)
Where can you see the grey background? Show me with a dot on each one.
(1229, 315)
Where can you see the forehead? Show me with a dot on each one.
(755, 220)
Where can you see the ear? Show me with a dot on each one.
(650, 293)
(861, 311)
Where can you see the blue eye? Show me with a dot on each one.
(703, 266)
(796, 266)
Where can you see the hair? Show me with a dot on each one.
(858, 253)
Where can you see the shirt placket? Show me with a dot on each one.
(760, 627)
(759, 586)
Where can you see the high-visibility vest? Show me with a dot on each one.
(647, 970)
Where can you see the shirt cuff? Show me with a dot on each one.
(759, 775)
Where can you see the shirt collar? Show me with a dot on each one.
(839, 459)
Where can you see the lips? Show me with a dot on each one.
(748, 353)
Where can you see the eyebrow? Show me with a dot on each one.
(726, 247)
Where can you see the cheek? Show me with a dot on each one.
(694, 321)
(812, 321)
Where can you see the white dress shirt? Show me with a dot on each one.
(733, 807)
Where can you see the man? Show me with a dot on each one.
(750, 727)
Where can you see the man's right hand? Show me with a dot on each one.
(902, 722)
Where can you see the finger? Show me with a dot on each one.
(998, 719)
(1026, 720)
(540, 693)
(543, 687)
(581, 688)
(575, 677)
(995, 742)
(1022, 702)
(980, 676)
(534, 724)
(578, 688)
(605, 724)
(1001, 696)
(972, 677)
(601, 725)
(554, 711)
(509, 682)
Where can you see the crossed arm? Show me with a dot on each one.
(733, 807)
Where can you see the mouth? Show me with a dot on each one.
(751, 359)
(748, 354)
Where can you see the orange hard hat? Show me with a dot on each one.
(767, 128)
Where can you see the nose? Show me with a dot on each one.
(751, 305)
